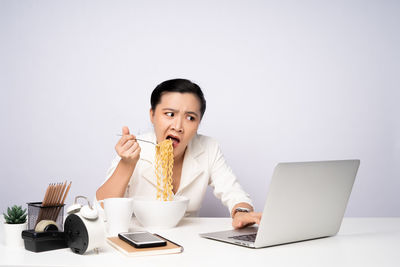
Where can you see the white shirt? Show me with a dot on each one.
(203, 165)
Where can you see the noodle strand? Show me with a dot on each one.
(164, 162)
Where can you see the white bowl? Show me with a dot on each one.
(153, 213)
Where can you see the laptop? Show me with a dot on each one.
(306, 200)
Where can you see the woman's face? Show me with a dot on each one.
(176, 117)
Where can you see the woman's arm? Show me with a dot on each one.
(227, 188)
(129, 151)
(116, 185)
(223, 180)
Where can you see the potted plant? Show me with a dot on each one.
(15, 223)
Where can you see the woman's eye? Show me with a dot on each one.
(169, 114)
(191, 118)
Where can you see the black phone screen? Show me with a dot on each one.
(142, 239)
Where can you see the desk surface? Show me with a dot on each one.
(360, 242)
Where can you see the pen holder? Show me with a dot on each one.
(38, 213)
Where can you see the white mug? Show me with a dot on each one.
(118, 213)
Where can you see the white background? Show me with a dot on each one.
(284, 81)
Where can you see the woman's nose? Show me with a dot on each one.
(177, 125)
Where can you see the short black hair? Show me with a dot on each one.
(179, 86)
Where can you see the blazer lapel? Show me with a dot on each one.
(149, 174)
(191, 168)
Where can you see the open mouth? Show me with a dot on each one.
(175, 140)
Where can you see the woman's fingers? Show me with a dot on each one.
(127, 147)
(134, 151)
(125, 130)
(129, 151)
(246, 219)
(126, 136)
(132, 148)
(257, 217)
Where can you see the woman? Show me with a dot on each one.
(177, 107)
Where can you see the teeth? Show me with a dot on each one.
(173, 138)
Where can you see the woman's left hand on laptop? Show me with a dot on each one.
(244, 219)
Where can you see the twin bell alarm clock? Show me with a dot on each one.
(84, 230)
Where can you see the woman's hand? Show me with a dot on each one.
(243, 219)
(127, 147)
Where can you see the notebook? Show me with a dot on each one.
(306, 200)
(128, 250)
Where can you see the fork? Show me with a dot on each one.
(137, 139)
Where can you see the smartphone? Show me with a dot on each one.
(142, 239)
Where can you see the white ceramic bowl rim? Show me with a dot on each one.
(175, 199)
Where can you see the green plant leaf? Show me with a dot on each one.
(15, 215)
(23, 218)
(8, 219)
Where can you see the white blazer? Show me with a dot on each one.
(203, 165)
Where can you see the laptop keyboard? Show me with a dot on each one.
(249, 237)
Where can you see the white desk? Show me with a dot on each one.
(360, 242)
